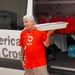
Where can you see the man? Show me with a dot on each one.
(32, 42)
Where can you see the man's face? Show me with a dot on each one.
(28, 23)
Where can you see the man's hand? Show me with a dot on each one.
(50, 32)
(23, 63)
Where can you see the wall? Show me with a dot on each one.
(53, 8)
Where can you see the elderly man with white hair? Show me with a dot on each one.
(32, 42)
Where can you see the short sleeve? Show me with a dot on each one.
(44, 35)
(21, 40)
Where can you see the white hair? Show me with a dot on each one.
(29, 17)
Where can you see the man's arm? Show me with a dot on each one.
(47, 42)
(22, 56)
